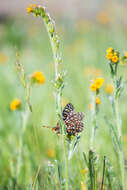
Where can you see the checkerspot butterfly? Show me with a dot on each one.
(73, 121)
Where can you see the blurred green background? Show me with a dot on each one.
(84, 37)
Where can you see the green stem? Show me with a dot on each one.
(66, 163)
(55, 52)
(93, 122)
(28, 88)
(20, 149)
(50, 27)
(121, 155)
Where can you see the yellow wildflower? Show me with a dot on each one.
(98, 82)
(29, 9)
(83, 186)
(109, 88)
(125, 54)
(115, 58)
(98, 101)
(84, 171)
(51, 153)
(38, 77)
(93, 87)
(109, 50)
(109, 55)
(15, 104)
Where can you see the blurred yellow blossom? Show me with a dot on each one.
(115, 58)
(91, 71)
(90, 107)
(15, 104)
(112, 55)
(109, 53)
(84, 171)
(96, 84)
(122, 62)
(93, 87)
(34, 5)
(98, 101)
(109, 88)
(30, 8)
(102, 17)
(38, 77)
(125, 54)
(83, 186)
(109, 50)
(109, 56)
(3, 58)
(99, 82)
(51, 153)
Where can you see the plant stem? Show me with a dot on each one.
(66, 163)
(93, 122)
(24, 122)
(50, 27)
(102, 185)
(119, 130)
(55, 54)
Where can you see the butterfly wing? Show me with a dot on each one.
(74, 123)
(67, 110)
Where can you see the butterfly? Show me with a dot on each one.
(73, 121)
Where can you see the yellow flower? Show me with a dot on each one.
(15, 104)
(84, 171)
(125, 54)
(109, 88)
(83, 186)
(109, 55)
(98, 101)
(115, 58)
(93, 87)
(109, 50)
(51, 153)
(38, 77)
(29, 9)
(98, 82)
